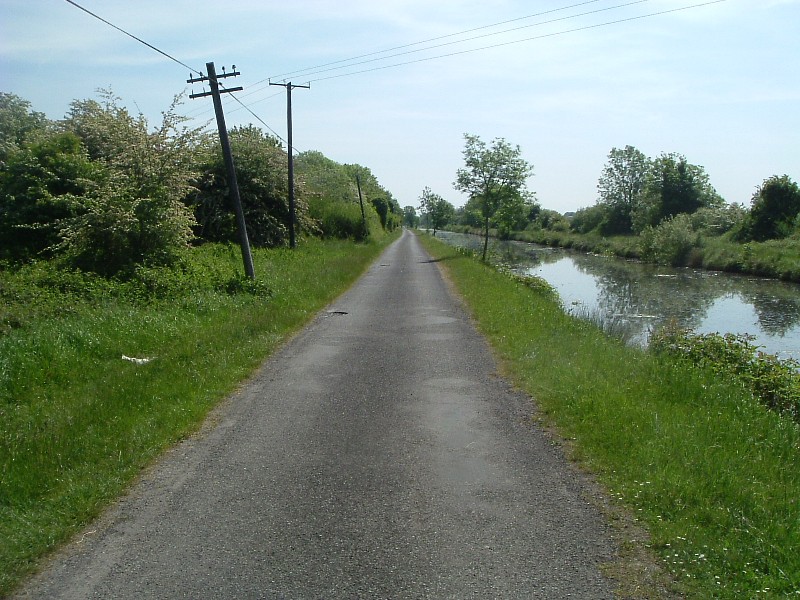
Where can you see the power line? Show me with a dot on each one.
(477, 37)
(199, 111)
(434, 39)
(450, 35)
(248, 109)
(255, 116)
(244, 106)
(538, 37)
(284, 76)
(306, 71)
(141, 41)
(429, 58)
(172, 58)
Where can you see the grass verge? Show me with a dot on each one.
(78, 423)
(709, 472)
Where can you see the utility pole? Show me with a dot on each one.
(233, 185)
(361, 202)
(289, 87)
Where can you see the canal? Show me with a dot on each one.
(642, 297)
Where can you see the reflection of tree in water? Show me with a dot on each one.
(648, 292)
(777, 306)
(516, 254)
(523, 256)
(647, 295)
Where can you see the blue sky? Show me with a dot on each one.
(719, 83)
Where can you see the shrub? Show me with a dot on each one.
(117, 231)
(588, 219)
(261, 170)
(776, 205)
(135, 213)
(776, 383)
(717, 220)
(40, 184)
(341, 219)
(671, 242)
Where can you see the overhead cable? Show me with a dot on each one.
(502, 44)
(141, 41)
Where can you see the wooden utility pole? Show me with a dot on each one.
(361, 202)
(233, 185)
(292, 217)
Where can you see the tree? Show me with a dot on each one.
(673, 187)
(18, 123)
(775, 206)
(438, 210)
(494, 176)
(588, 219)
(552, 220)
(515, 214)
(410, 217)
(325, 178)
(42, 184)
(620, 188)
(136, 214)
(716, 220)
(470, 214)
(261, 171)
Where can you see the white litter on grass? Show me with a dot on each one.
(137, 361)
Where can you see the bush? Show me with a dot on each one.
(671, 242)
(261, 171)
(588, 219)
(135, 213)
(42, 183)
(776, 383)
(117, 231)
(719, 219)
(341, 220)
(776, 206)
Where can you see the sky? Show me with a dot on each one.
(565, 80)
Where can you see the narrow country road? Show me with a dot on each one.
(377, 455)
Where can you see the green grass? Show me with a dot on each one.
(77, 422)
(779, 259)
(712, 474)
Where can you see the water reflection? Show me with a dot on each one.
(645, 296)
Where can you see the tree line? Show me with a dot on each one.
(104, 191)
(667, 203)
(636, 192)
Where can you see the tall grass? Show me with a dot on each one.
(779, 259)
(77, 421)
(713, 475)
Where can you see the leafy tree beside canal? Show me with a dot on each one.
(494, 178)
(437, 212)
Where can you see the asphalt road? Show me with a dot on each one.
(377, 455)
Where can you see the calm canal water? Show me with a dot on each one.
(645, 296)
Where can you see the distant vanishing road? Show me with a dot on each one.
(377, 455)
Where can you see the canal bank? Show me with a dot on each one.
(643, 297)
